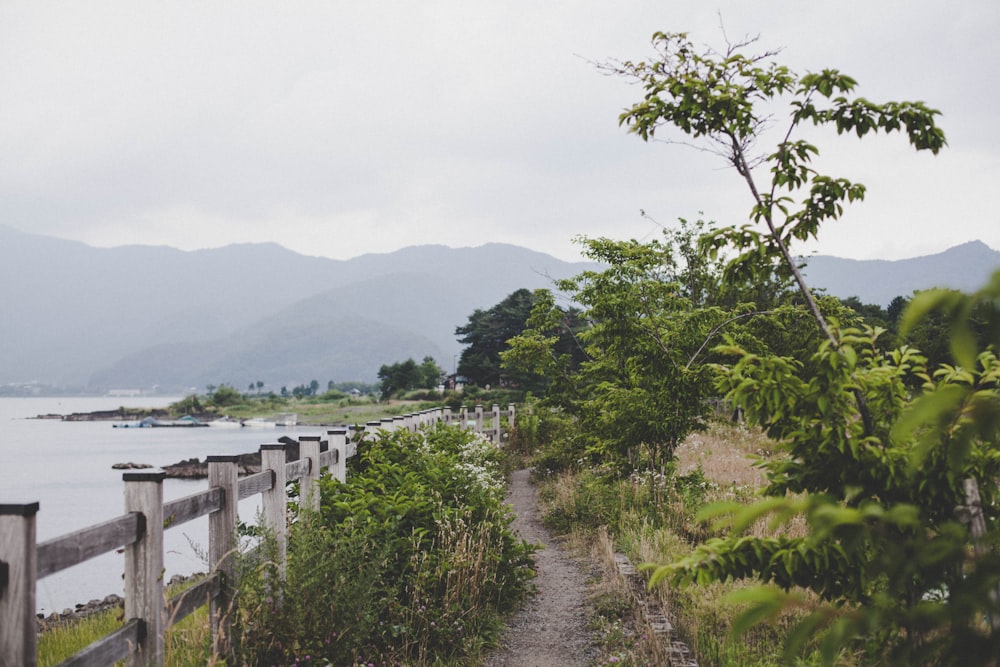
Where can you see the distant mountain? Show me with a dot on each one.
(964, 267)
(139, 316)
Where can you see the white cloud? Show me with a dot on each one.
(343, 128)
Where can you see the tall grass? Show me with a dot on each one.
(651, 517)
(188, 643)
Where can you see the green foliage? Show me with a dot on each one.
(543, 358)
(724, 101)
(642, 386)
(412, 561)
(486, 335)
(225, 395)
(187, 405)
(403, 376)
(887, 478)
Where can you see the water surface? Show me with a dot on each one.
(66, 468)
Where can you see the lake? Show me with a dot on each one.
(66, 467)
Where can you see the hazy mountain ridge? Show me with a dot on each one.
(964, 267)
(137, 316)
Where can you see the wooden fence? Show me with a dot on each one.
(139, 531)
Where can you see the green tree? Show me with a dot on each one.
(398, 377)
(225, 395)
(546, 356)
(407, 375)
(486, 334)
(878, 471)
(640, 387)
(429, 374)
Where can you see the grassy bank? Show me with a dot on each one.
(188, 642)
(651, 518)
(411, 561)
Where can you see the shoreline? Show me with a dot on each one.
(82, 610)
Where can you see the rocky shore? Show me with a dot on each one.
(247, 464)
(84, 609)
(121, 414)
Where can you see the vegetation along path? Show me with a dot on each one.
(551, 630)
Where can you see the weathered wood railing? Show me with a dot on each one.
(148, 614)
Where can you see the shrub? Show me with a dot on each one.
(411, 561)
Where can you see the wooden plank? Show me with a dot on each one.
(191, 507)
(338, 449)
(251, 485)
(329, 458)
(296, 469)
(17, 597)
(309, 487)
(144, 565)
(112, 648)
(274, 501)
(186, 602)
(223, 473)
(74, 548)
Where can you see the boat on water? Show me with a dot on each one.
(286, 419)
(259, 422)
(225, 422)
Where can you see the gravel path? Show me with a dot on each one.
(551, 629)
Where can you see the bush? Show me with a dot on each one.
(411, 561)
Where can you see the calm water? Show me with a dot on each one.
(66, 467)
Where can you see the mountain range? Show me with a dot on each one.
(143, 316)
(964, 267)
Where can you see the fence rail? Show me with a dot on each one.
(140, 641)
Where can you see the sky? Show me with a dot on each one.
(340, 128)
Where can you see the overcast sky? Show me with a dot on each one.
(338, 128)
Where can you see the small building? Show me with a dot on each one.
(456, 382)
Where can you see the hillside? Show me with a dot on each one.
(140, 316)
(964, 267)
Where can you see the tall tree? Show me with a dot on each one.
(486, 335)
(878, 473)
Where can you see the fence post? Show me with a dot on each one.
(510, 417)
(223, 473)
(309, 487)
(338, 443)
(496, 424)
(464, 414)
(355, 434)
(18, 571)
(274, 502)
(144, 565)
(479, 419)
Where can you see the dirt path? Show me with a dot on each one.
(551, 630)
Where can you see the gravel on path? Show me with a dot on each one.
(551, 629)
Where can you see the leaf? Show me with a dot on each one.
(800, 635)
(764, 602)
(924, 417)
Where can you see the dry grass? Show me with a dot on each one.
(651, 520)
(730, 456)
(727, 454)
